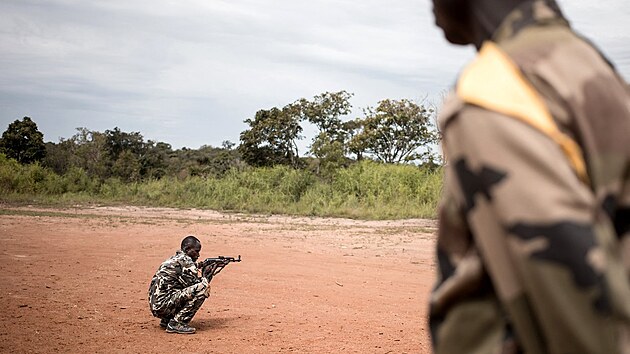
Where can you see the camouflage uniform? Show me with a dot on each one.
(177, 291)
(531, 257)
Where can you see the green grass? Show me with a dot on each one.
(366, 190)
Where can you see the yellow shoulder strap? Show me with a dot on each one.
(494, 82)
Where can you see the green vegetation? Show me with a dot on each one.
(381, 166)
(23, 141)
(396, 131)
(364, 190)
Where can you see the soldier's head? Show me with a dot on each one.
(191, 246)
(454, 18)
(474, 21)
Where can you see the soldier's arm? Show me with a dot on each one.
(189, 273)
(459, 268)
(463, 291)
(533, 222)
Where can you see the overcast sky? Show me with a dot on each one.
(188, 72)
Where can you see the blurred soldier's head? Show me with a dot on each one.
(453, 17)
(473, 21)
(191, 246)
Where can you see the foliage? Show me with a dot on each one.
(271, 138)
(23, 142)
(85, 150)
(366, 190)
(263, 174)
(395, 132)
(154, 163)
(36, 180)
(330, 155)
(126, 156)
(325, 112)
(210, 161)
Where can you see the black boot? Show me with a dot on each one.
(164, 322)
(178, 327)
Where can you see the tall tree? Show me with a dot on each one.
(90, 149)
(60, 157)
(271, 138)
(356, 143)
(329, 146)
(397, 131)
(155, 160)
(23, 142)
(117, 142)
(127, 166)
(126, 151)
(325, 112)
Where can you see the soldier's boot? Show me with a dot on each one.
(178, 327)
(164, 322)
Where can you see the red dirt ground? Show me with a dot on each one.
(75, 280)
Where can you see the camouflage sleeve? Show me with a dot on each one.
(459, 268)
(465, 315)
(178, 272)
(553, 262)
(188, 272)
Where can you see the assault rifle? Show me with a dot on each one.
(212, 266)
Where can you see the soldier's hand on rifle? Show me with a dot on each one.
(212, 266)
(201, 264)
(207, 271)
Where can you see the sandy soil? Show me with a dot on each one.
(75, 280)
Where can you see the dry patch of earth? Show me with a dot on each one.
(76, 280)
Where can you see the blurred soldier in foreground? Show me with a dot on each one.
(535, 216)
(177, 290)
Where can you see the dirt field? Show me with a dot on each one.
(75, 280)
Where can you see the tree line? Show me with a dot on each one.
(395, 131)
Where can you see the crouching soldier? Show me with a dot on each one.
(177, 290)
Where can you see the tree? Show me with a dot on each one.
(329, 145)
(23, 142)
(330, 154)
(84, 150)
(226, 159)
(356, 144)
(325, 112)
(127, 154)
(117, 142)
(396, 131)
(211, 161)
(271, 138)
(155, 161)
(127, 167)
(90, 150)
(60, 157)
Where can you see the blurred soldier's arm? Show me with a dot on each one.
(552, 260)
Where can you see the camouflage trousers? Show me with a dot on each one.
(181, 305)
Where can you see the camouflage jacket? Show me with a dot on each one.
(530, 255)
(175, 274)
